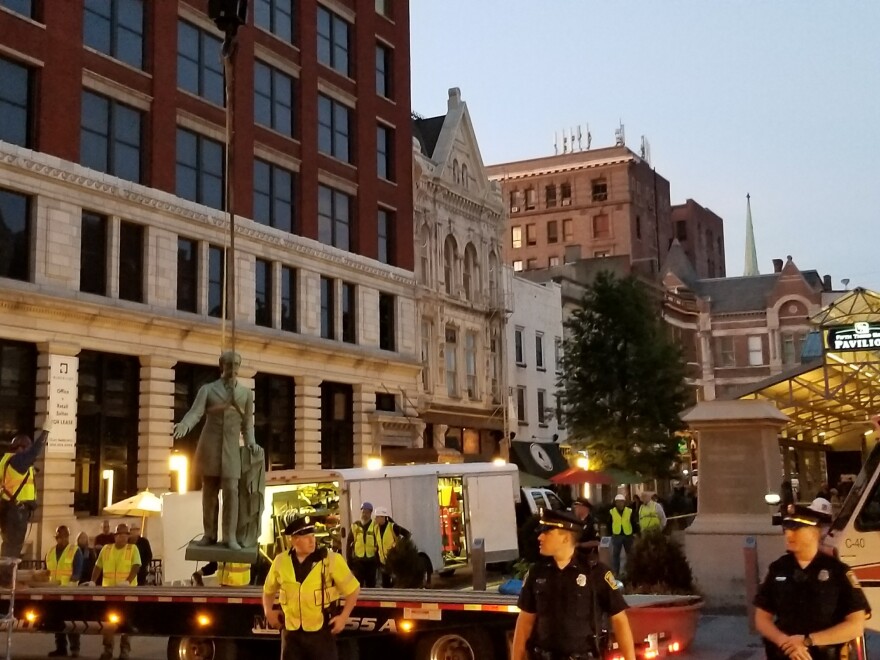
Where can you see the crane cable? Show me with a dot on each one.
(229, 288)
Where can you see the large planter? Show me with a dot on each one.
(672, 618)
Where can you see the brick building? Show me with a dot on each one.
(701, 234)
(112, 174)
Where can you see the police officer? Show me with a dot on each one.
(810, 604)
(589, 538)
(563, 598)
(308, 582)
(362, 544)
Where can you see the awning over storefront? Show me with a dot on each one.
(469, 420)
(539, 459)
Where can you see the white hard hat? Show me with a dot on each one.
(381, 511)
(619, 498)
(821, 505)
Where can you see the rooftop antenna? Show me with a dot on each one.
(564, 142)
(589, 137)
(555, 143)
(580, 139)
(845, 283)
(620, 135)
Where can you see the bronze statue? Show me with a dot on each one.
(230, 415)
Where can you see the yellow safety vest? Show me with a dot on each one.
(302, 603)
(230, 574)
(11, 480)
(364, 540)
(621, 524)
(385, 541)
(648, 517)
(61, 568)
(115, 564)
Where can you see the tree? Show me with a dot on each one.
(622, 384)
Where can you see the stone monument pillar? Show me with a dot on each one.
(739, 463)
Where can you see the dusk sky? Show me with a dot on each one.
(778, 99)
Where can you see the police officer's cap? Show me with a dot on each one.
(583, 501)
(549, 519)
(799, 516)
(300, 526)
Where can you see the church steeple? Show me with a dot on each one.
(751, 263)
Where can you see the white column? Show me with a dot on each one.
(155, 423)
(363, 405)
(308, 422)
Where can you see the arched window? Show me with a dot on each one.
(494, 276)
(470, 276)
(424, 258)
(464, 175)
(455, 173)
(449, 256)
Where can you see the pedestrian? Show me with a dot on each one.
(18, 490)
(308, 624)
(117, 565)
(563, 598)
(362, 548)
(89, 557)
(636, 506)
(65, 564)
(145, 551)
(388, 533)
(589, 538)
(810, 604)
(106, 537)
(622, 532)
(652, 518)
(229, 574)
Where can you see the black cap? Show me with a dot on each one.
(799, 516)
(583, 501)
(300, 526)
(549, 519)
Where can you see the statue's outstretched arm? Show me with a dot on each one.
(195, 413)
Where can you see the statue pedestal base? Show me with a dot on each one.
(220, 553)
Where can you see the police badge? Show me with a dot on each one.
(824, 575)
(582, 580)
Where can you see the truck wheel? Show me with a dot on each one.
(471, 644)
(201, 648)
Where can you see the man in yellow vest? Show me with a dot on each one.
(652, 518)
(387, 534)
(118, 564)
(362, 548)
(229, 574)
(18, 492)
(308, 582)
(64, 563)
(622, 532)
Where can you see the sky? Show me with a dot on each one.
(778, 99)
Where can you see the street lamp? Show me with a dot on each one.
(374, 463)
(179, 465)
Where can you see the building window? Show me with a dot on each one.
(273, 195)
(601, 226)
(93, 254)
(725, 352)
(334, 217)
(451, 349)
(333, 41)
(328, 309)
(383, 7)
(187, 275)
(542, 402)
(539, 351)
(216, 275)
(791, 348)
(427, 332)
(274, 414)
(530, 199)
(567, 231)
(15, 103)
(600, 190)
(681, 231)
(131, 261)
(387, 322)
(275, 16)
(601, 254)
(199, 63)
(756, 351)
(334, 128)
(288, 299)
(449, 265)
(514, 201)
(349, 313)
(531, 263)
(23, 7)
(531, 235)
(18, 387)
(572, 253)
(557, 354)
(15, 248)
(521, 405)
(110, 137)
(385, 152)
(638, 226)
(383, 71)
(550, 195)
(560, 416)
(517, 265)
(552, 262)
(464, 176)
(263, 293)
(199, 175)
(470, 363)
(385, 229)
(116, 29)
(565, 194)
(516, 237)
(494, 381)
(470, 273)
(519, 352)
(552, 231)
(273, 98)
(386, 402)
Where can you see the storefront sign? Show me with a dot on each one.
(856, 337)
(63, 374)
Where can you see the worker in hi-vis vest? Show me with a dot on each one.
(387, 533)
(362, 553)
(64, 562)
(652, 518)
(118, 563)
(622, 532)
(229, 574)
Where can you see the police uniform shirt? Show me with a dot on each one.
(589, 533)
(302, 569)
(807, 600)
(563, 600)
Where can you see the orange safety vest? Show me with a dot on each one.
(61, 568)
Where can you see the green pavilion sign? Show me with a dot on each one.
(856, 337)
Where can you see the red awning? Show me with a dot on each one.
(575, 475)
